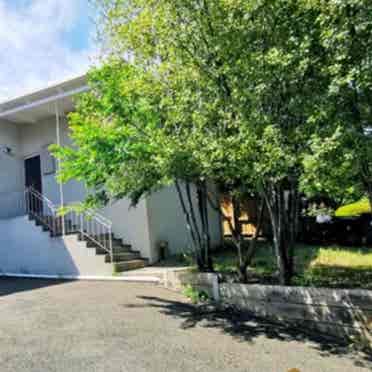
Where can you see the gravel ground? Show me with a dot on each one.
(116, 326)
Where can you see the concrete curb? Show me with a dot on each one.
(138, 279)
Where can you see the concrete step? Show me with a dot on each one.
(93, 244)
(48, 223)
(101, 238)
(116, 249)
(105, 237)
(124, 256)
(129, 265)
(58, 232)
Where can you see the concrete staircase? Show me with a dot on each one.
(124, 258)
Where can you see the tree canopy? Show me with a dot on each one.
(340, 161)
(245, 95)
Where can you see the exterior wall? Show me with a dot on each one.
(11, 174)
(131, 225)
(33, 139)
(167, 222)
(26, 249)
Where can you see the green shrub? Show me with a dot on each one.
(194, 294)
(354, 209)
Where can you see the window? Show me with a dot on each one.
(48, 161)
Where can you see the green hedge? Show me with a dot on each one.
(354, 209)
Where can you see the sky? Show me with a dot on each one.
(43, 42)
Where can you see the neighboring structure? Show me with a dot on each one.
(29, 191)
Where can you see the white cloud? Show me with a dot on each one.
(33, 51)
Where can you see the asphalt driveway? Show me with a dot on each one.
(115, 326)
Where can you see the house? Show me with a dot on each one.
(34, 239)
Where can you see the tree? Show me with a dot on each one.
(341, 156)
(203, 91)
(123, 148)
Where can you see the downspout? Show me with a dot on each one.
(61, 196)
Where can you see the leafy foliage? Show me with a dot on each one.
(340, 160)
(194, 294)
(113, 149)
(314, 210)
(238, 80)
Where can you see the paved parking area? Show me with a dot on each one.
(116, 326)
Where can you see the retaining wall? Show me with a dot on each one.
(177, 279)
(337, 312)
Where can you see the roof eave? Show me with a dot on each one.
(50, 99)
(48, 95)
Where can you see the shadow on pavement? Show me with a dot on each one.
(247, 327)
(9, 285)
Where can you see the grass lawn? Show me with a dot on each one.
(321, 266)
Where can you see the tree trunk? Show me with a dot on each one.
(198, 225)
(189, 225)
(293, 211)
(204, 219)
(238, 229)
(283, 216)
(192, 215)
(252, 246)
(235, 228)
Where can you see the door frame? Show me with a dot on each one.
(30, 156)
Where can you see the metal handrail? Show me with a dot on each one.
(41, 208)
(102, 219)
(89, 223)
(39, 195)
(96, 228)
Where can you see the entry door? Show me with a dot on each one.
(33, 173)
(33, 179)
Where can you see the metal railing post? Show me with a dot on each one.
(110, 245)
(58, 134)
(26, 201)
(82, 225)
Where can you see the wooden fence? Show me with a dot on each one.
(248, 217)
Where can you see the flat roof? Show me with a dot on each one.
(36, 105)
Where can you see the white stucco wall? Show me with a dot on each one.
(26, 249)
(33, 139)
(131, 225)
(167, 222)
(11, 171)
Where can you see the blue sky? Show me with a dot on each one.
(43, 42)
(78, 37)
